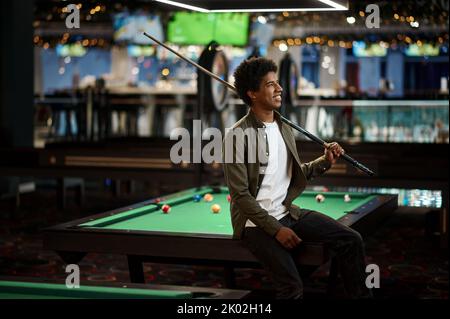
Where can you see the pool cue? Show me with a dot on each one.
(316, 139)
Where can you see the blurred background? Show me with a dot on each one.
(86, 113)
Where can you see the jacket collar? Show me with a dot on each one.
(256, 122)
(285, 131)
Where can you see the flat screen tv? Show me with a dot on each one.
(192, 28)
(129, 28)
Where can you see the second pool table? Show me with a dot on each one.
(39, 288)
(192, 234)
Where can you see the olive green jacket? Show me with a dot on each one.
(244, 178)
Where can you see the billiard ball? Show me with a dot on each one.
(197, 198)
(165, 208)
(320, 198)
(229, 198)
(347, 198)
(158, 200)
(208, 197)
(215, 208)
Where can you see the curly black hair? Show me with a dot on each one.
(248, 76)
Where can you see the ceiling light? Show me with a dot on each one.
(351, 20)
(333, 6)
(183, 5)
(283, 47)
(262, 19)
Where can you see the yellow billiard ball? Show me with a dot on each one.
(215, 208)
(208, 197)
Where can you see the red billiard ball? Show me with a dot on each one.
(229, 198)
(165, 208)
(158, 200)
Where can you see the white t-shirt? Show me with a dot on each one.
(277, 176)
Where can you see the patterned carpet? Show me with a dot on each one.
(411, 262)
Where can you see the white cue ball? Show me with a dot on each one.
(320, 198)
(347, 198)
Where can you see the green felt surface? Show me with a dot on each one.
(187, 216)
(33, 290)
(334, 205)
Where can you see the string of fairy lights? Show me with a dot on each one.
(343, 41)
(47, 43)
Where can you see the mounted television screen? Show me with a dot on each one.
(232, 28)
(124, 27)
(187, 28)
(261, 34)
(129, 28)
(150, 24)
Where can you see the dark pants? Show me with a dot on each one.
(343, 243)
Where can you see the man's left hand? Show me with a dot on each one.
(332, 152)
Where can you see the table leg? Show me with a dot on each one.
(333, 277)
(230, 277)
(117, 189)
(444, 219)
(81, 193)
(136, 269)
(61, 195)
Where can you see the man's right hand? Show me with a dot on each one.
(287, 237)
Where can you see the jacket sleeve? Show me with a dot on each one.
(236, 178)
(316, 167)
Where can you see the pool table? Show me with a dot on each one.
(36, 288)
(192, 234)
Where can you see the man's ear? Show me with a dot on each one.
(251, 94)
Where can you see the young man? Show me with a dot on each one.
(262, 190)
